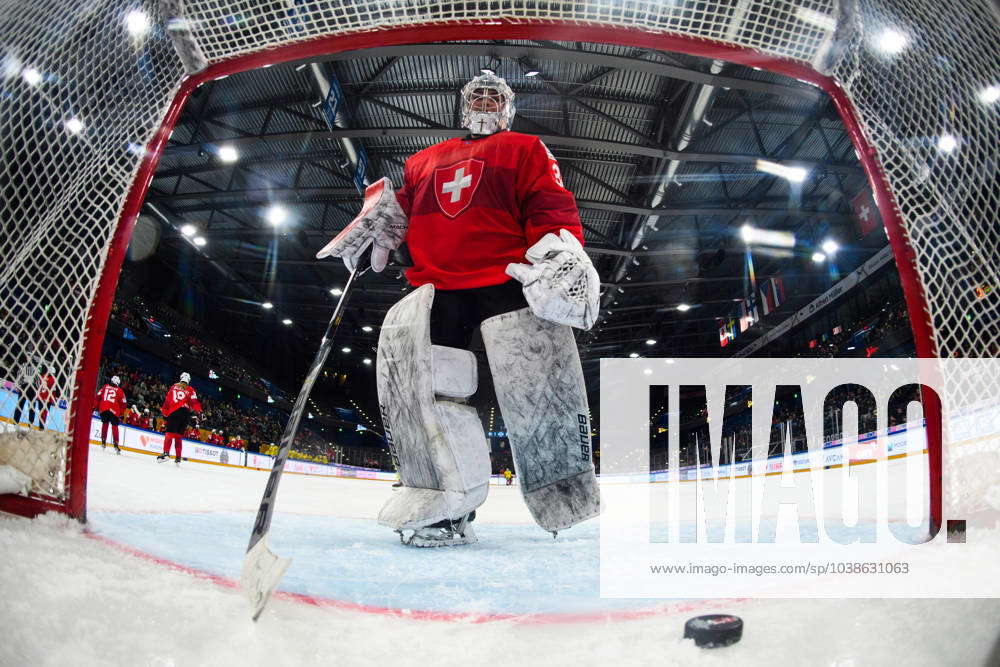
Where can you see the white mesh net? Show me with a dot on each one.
(81, 98)
(64, 181)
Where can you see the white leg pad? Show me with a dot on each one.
(438, 446)
(539, 385)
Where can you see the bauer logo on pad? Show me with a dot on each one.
(455, 185)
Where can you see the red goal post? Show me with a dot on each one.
(72, 193)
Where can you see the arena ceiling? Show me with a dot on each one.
(661, 151)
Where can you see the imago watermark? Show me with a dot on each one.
(800, 477)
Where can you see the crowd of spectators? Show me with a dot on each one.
(184, 337)
(875, 328)
(786, 420)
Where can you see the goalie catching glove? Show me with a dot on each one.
(561, 284)
(381, 222)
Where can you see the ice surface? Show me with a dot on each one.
(66, 598)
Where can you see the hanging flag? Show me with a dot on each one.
(766, 297)
(752, 308)
(866, 212)
(744, 317)
(778, 289)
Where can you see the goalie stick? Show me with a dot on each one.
(263, 569)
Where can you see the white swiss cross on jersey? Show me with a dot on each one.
(455, 184)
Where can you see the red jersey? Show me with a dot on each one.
(45, 384)
(476, 205)
(180, 396)
(111, 398)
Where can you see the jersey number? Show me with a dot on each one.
(557, 174)
(110, 394)
(179, 395)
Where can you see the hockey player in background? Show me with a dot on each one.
(110, 406)
(496, 246)
(27, 382)
(180, 403)
(47, 395)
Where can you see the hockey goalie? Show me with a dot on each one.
(496, 244)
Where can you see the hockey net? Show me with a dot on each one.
(88, 105)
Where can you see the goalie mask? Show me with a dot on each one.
(487, 105)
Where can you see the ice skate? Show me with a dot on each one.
(162, 457)
(118, 450)
(177, 462)
(447, 533)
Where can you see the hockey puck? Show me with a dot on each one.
(714, 630)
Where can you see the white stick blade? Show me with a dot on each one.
(262, 570)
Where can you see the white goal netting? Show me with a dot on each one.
(84, 92)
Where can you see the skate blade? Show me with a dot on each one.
(454, 540)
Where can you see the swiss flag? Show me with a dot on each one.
(455, 185)
(866, 212)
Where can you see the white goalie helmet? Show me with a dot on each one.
(185, 377)
(487, 104)
(115, 380)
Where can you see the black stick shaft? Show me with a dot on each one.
(263, 522)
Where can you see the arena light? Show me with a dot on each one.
(228, 154)
(633, 355)
(650, 341)
(947, 143)
(791, 174)
(989, 95)
(287, 322)
(267, 305)
(199, 241)
(31, 76)
(137, 23)
(830, 247)
(345, 350)
(366, 329)
(188, 230)
(74, 125)
(891, 42)
(277, 214)
(818, 257)
(366, 361)
(336, 291)
(753, 236)
(532, 73)
(683, 307)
